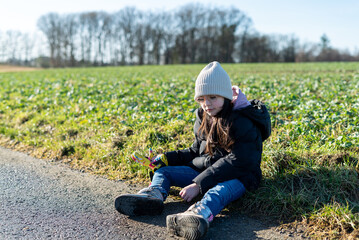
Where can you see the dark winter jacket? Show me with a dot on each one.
(250, 126)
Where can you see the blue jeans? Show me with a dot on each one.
(215, 198)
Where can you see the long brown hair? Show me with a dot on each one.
(217, 129)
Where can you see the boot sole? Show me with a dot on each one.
(187, 226)
(136, 206)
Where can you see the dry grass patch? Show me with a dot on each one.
(9, 68)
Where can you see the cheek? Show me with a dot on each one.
(219, 105)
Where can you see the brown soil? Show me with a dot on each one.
(9, 68)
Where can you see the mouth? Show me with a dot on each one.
(210, 111)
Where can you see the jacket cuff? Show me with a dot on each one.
(205, 181)
(172, 158)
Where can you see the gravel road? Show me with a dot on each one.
(48, 200)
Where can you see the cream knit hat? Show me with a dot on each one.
(213, 80)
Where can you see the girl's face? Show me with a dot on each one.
(211, 104)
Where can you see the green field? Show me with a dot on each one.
(94, 118)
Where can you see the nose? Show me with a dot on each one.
(206, 101)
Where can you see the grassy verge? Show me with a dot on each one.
(93, 119)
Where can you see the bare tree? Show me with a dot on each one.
(209, 33)
(104, 34)
(88, 29)
(242, 38)
(156, 35)
(190, 19)
(83, 36)
(13, 43)
(28, 43)
(127, 24)
(99, 30)
(306, 53)
(169, 33)
(289, 48)
(327, 53)
(70, 29)
(2, 48)
(50, 25)
(230, 20)
(113, 41)
(141, 37)
(192, 33)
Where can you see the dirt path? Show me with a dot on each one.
(9, 68)
(42, 200)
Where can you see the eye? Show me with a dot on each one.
(200, 100)
(213, 97)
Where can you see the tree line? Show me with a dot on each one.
(193, 33)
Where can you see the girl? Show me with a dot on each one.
(222, 163)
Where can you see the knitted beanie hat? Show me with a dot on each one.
(213, 80)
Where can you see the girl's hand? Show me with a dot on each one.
(189, 192)
(159, 161)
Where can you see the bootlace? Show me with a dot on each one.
(152, 192)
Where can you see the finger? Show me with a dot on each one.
(184, 189)
(185, 197)
(182, 195)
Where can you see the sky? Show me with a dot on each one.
(306, 19)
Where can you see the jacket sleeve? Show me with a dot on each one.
(182, 157)
(239, 163)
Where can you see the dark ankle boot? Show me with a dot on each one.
(191, 224)
(148, 201)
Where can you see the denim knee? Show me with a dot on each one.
(222, 194)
